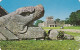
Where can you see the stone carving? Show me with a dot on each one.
(2, 37)
(33, 33)
(17, 22)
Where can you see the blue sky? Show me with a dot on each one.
(56, 8)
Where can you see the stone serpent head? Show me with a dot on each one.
(36, 12)
(22, 17)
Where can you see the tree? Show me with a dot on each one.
(74, 18)
(67, 21)
(38, 21)
(62, 22)
(57, 20)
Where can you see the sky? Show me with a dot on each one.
(56, 8)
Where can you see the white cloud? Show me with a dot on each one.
(0, 0)
(79, 0)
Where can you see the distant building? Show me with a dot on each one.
(3, 12)
(48, 23)
(67, 25)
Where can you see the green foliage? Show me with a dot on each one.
(67, 21)
(38, 21)
(57, 20)
(61, 35)
(62, 22)
(74, 18)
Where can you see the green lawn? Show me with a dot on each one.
(72, 33)
(40, 45)
(72, 27)
(51, 27)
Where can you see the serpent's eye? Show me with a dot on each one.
(25, 14)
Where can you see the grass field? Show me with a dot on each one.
(72, 33)
(51, 27)
(40, 45)
(43, 45)
(72, 27)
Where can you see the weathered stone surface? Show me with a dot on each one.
(77, 38)
(2, 37)
(59, 35)
(53, 34)
(69, 37)
(7, 34)
(17, 22)
(33, 33)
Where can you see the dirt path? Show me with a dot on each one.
(70, 30)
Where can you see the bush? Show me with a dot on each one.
(60, 35)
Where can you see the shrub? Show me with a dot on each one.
(60, 35)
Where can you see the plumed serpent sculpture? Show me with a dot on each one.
(17, 22)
